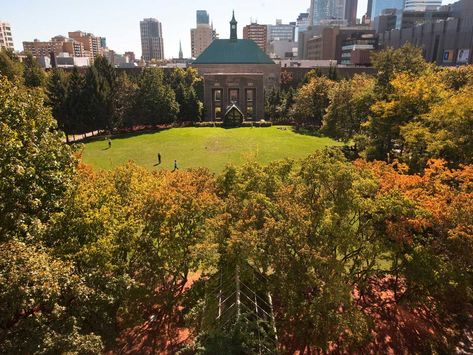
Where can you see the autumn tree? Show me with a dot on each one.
(410, 98)
(456, 78)
(137, 237)
(442, 132)
(389, 62)
(310, 230)
(431, 245)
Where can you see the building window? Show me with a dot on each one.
(250, 103)
(217, 103)
(234, 96)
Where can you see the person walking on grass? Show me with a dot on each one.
(175, 165)
(109, 143)
(159, 158)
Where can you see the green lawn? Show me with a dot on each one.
(213, 148)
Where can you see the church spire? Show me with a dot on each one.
(181, 56)
(233, 28)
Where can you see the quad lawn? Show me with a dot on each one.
(213, 148)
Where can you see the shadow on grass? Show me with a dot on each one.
(129, 134)
(120, 135)
(308, 131)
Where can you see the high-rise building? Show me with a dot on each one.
(202, 17)
(302, 21)
(323, 11)
(387, 21)
(380, 5)
(6, 39)
(203, 35)
(369, 9)
(351, 7)
(422, 5)
(152, 46)
(257, 33)
(281, 31)
(181, 55)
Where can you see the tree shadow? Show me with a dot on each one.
(312, 131)
(121, 135)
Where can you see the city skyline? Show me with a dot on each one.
(121, 24)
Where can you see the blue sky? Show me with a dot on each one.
(118, 20)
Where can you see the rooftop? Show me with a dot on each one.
(227, 51)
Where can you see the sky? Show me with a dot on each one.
(118, 20)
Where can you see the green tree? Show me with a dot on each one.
(407, 59)
(95, 103)
(36, 167)
(10, 66)
(112, 99)
(184, 83)
(272, 102)
(410, 98)
(287, 104)
(155, 101)
(310, 230)
(123, 101)
(34, 76)
(42, 304)
(56, 99)
(332, 72)
(192, 110)
(105, 70)
(443, 132)
(350, 102)
(312, 100)
(74, 106)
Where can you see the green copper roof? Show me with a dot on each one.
(226, 51)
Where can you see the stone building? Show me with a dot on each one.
(236, 71)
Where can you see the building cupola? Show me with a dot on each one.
(233, 28)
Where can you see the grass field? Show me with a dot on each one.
(213, 148)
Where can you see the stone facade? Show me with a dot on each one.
(271, 72)
(245, 90)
